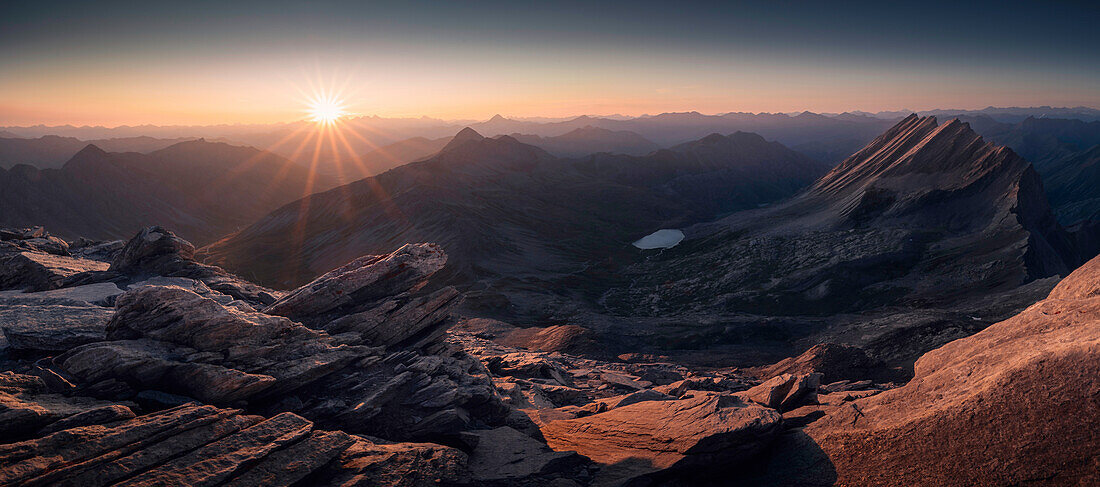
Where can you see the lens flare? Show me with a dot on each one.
(325, 110)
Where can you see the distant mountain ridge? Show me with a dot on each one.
(826, 137)
(51, 151)
(590, 140)
(204, 189)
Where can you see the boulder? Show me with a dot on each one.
(785, 392)
(168, 337)
(153, 251)
(659, 438)
(156, 254)
(714, 384)
(99, 293)
(564, 338)
(35, 239)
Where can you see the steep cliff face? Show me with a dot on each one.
(924, 175)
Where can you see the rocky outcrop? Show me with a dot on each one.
(55, 320)
(1007, 405)
(370, 371)
(101, 250)
(28, 405)
(155, 328)
(656, 438)
(374, 462)
(33, 271)
(175, 341)
(375, 298)
(31, 259)
(785, 392)
(154, 251)
(203, 445)
(58, 326)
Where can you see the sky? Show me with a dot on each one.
(114, 63)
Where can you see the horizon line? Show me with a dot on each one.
(527, 118)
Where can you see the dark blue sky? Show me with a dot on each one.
(550, 57)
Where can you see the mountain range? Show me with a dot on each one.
(205, 189)
(726, 310)
(590, 140)
(51, 151)
(513, 212)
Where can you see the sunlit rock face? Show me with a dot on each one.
(1005, 406)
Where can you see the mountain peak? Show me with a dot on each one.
(463, 137)
(714, 138)
(90, 156)
(498, 118)
(90, 150)
(467, 134)
(918, 154)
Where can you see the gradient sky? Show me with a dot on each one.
(199, 62)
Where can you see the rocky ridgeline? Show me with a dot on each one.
(145, 367)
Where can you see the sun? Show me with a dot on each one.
(325, 110)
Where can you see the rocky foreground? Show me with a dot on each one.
(130, 363)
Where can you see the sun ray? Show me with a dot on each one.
(381, 195)
(298, 233)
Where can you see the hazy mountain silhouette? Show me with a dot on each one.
(204, 189)
(590, 140)
(51, 151)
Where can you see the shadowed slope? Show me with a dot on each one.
(504, 208)
(926, 217)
